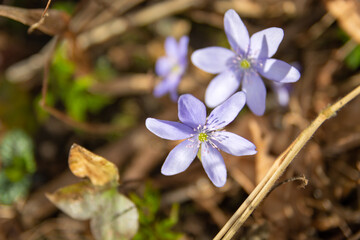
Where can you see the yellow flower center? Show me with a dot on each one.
(245, 64)
(175, 68)
(203, 137)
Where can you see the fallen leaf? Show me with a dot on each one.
(80, 201)
(116, 219)
(84, 163)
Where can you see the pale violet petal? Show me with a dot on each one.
(163, 66)
(171, 47)
(265, 43)
(168, 84)
(282, 92)
(221, 88)
(225, 113)
(191, 111)
(168, 129)
(279, 71)
(161, 88)
(212, 59)
(174, 95)
(236, 32)
(179, 158)
(233, 144)
(283, 97)
(255, 91)
(183, 46)
(213, 164)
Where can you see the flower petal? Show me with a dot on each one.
(265, 43)
(168, 129)
(225, 113)
(212, 59)
(234, 144)
(168, 84)
(171, 47)
(282, 92)
(279, 71)
(255, 91)
(236, 32)
(174, 95)
(213, 164)
(221, 88)
(161, 89)
(179, 158)
(183, 46)
(191, 111)
(163, 66)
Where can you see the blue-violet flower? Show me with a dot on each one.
(249, 58)
(171, 67)
(282, 92)
(203, 135)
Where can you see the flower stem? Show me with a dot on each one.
(277, 169)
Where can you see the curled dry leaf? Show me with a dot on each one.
(113, 216)
(54, 23)
(348, 15)
(116, 219)
(84, 163)
(79, 201)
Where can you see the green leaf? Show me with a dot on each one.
(353, 59)
(14, 174)
(116, 219)
(12, 191)
(151, 226)
(16, 150)
(68, 7)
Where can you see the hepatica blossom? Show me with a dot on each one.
(282, 92)
(249, 58)
(202, 134)
(171, 67)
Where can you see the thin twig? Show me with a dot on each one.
(41, 20)
(118, 26)
(279, 166)
(302, 178)
(46, 71)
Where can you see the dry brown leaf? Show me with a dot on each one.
(263, 160)
(84, 163)
(79, 200)
(53, 24)
(347, 12)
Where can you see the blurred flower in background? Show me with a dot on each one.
(171, 67)
(249, 58)
(282, 92)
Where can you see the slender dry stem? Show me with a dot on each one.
(42, 19)
(279, 166)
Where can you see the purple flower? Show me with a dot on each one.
(171, 67)
(203, 135)
(282, 92)
(249, 58)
